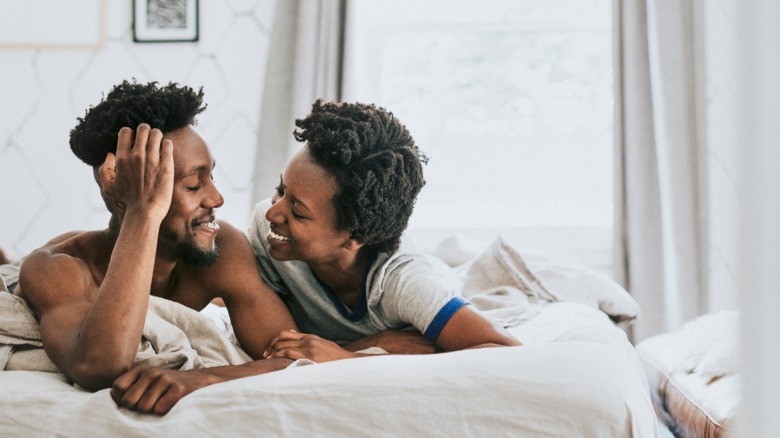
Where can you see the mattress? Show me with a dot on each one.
(692, 375)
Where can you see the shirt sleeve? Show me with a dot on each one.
(444, 315)
(415, 290)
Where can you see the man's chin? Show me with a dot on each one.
(196, 257)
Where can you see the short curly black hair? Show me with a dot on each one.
(167, 108)
(376, 164)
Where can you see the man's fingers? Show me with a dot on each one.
(141, 139)
(135, 392)
(166, 402)
(149, 399)
(153, 147)
(124, 141)
(123, 383)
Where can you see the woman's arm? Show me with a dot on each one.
(468, 329)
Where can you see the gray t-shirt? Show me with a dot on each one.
(401, 291)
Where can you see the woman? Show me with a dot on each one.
(328, 243)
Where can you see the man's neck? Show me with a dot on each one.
(164, 277)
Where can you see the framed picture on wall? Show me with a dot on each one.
(165, 20)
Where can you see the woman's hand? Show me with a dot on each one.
(293, 345)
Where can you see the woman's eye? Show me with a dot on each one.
(194, 188)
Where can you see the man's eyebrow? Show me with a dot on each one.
(197, 169)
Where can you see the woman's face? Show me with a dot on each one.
(302, 214)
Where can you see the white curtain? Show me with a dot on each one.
(756, 115)
(660, 185)
(304, 63)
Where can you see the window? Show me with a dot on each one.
(512, 102)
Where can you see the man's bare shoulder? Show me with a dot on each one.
(235, 267)
(59, 271)
(233, 246)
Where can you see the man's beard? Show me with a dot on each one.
(196, 257)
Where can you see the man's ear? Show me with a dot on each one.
(106, 179)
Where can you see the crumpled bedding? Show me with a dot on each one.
(509, 285)
(174, 336)
(576, 375)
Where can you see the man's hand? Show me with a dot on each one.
(290, 344)
(152, 390)
(140, 176)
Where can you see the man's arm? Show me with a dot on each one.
(152, 390)
(257, 315)
(256, 312)
(90, 331)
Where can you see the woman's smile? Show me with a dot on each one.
(275, 236)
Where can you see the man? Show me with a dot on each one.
(90, 290)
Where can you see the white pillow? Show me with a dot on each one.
(532, 272)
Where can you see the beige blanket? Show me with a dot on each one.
(510, 287)
(174, 336)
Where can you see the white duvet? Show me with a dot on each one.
(577, 375)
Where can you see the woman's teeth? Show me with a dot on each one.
(273, 235)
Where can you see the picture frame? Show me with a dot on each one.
(157, 21)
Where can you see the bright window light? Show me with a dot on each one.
(511, 100)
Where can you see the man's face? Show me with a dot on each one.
(190, 224)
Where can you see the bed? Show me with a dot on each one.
(576, 375)
(693, 378)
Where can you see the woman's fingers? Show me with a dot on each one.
(285, 339)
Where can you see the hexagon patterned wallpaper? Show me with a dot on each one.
(46, 190)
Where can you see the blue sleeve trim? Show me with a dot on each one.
(444, 315)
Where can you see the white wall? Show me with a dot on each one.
(46, 190)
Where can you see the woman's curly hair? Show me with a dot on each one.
(167, 108)
(377, 166)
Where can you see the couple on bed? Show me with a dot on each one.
(331, 280)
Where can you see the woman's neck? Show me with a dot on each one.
(345, 276)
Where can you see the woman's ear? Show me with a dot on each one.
(352, 244)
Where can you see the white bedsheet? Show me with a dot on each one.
(577, 376)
